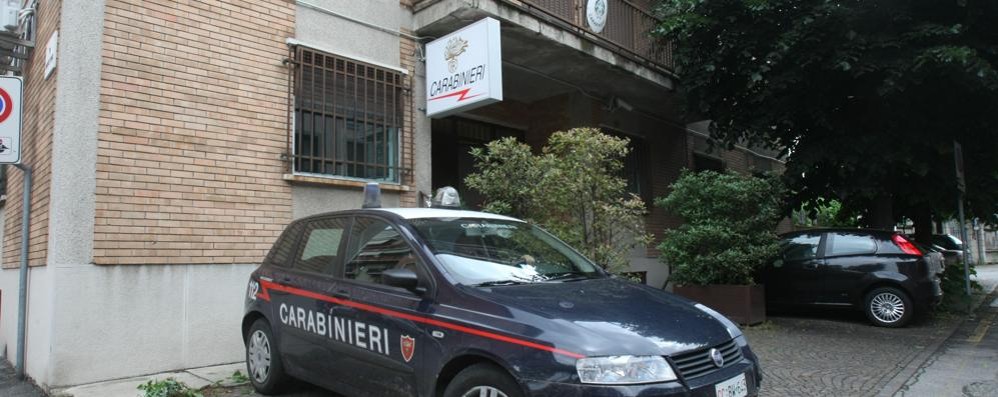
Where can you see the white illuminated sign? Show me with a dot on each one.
(464, 69)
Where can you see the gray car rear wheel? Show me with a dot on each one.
(263, 359)
(888, 307)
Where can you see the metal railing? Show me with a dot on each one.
(628, 26)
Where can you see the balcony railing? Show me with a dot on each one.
(627, 31)
(628, 26)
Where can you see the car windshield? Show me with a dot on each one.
(492, 252)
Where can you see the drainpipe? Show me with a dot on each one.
(22, 287)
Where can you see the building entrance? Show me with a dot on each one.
(453, 139)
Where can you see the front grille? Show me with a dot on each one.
(698, 363)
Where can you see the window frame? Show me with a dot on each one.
(380, 111)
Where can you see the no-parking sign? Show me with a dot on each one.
(10, 119)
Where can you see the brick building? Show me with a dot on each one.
(175, 139)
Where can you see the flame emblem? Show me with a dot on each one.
(455, 46)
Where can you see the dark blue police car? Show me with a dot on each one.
(442, 302)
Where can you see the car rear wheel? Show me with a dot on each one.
(263, 359)
(483, 380)
(889, 307)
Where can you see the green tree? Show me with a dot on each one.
(865, 98)
(729, 227)
(824, 213)
(573, 189)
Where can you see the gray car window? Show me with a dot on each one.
(321, 241)
(802, 247)
(851, 244)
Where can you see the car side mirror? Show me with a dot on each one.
(402, 278)
(778, 263)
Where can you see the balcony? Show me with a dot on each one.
(628, 26)
(627, 30)
(549, 50)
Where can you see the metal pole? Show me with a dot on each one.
(979, 232)
(966, 257)
(22, 289)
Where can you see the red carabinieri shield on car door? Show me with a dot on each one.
(408, 347)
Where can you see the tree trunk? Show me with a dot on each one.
(882, 213)
(923, 225)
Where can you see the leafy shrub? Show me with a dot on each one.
(573, 189)
(167, 388)
(729, 229)
(954, 287)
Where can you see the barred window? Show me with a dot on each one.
(347, 117)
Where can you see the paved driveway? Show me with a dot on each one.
(837, 353)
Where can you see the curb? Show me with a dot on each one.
(901, 378)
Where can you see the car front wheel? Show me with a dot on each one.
(263, 359)
(483, 380)
(888, 307)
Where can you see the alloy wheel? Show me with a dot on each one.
(484, 391)
(259, 356)
(887, 307)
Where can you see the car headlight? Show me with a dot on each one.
(617, 370)
(733, 329)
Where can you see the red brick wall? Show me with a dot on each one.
(36, 145)
(192, 126)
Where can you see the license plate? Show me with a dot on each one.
(734, 387)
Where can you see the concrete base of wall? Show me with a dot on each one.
(110, 322)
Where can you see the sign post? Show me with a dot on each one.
(961, 187)
(11, 90)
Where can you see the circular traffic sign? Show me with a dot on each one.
(6, 105)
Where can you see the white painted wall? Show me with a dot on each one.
(348, 38)
(38, 330)
(119, 321)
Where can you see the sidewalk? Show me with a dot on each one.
(10, 386)
(196, 378)
(967, 363)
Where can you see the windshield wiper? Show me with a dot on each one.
(498, 282)
(566, 276)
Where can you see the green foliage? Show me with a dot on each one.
(168, 387)
(238, 377)
(823, 213)
(865, 98)
(729, 229)
(573, 189)
(955, 297)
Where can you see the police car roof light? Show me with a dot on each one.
(446, 197)
(372, 195)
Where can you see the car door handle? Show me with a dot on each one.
(342, 294)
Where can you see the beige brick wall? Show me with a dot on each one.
(193, 121)
(407, 48)
(36, 145)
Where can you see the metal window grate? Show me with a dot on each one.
(348, 117)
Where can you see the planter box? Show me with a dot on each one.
(743, 304)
